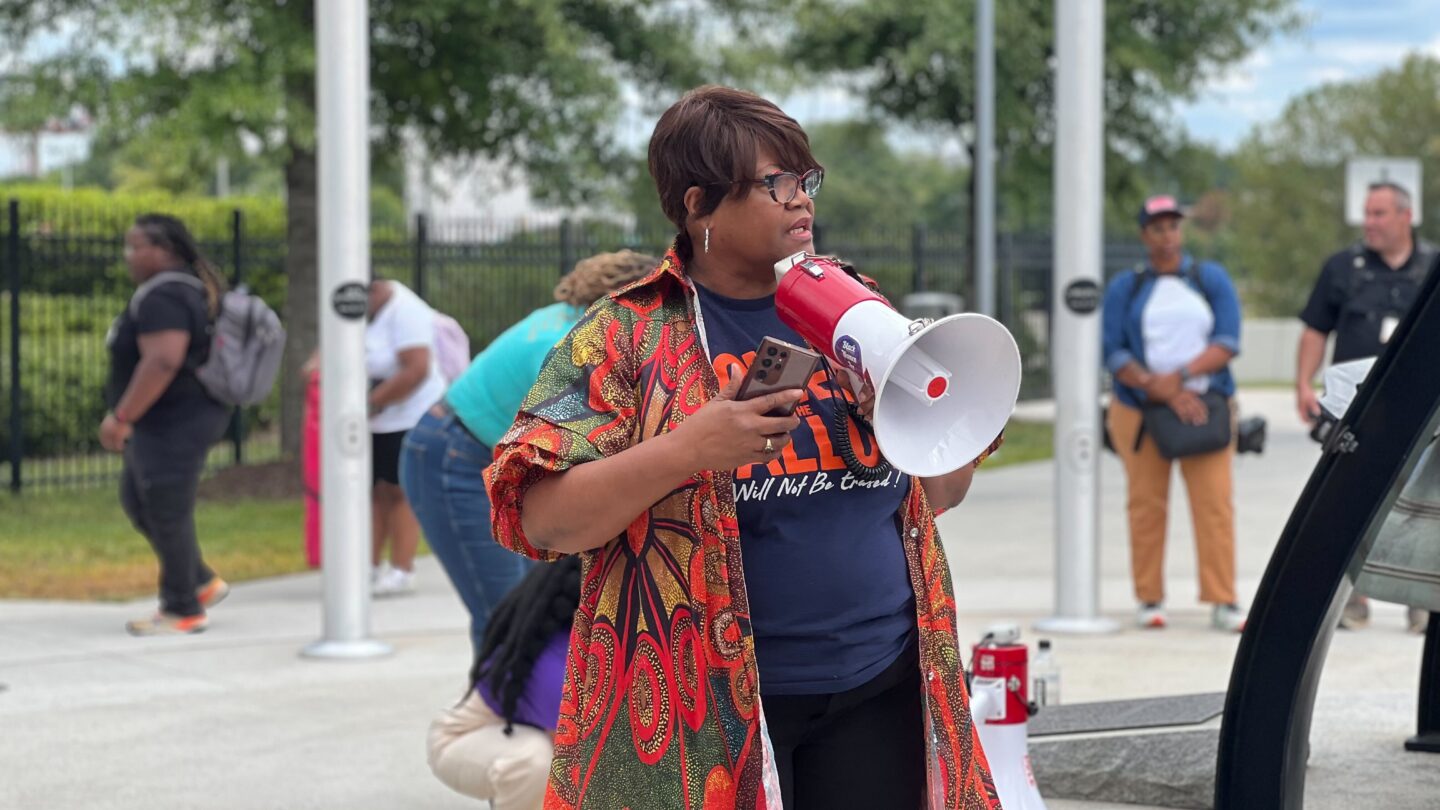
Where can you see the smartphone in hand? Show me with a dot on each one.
(778, 366)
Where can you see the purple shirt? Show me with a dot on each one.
(539, 703)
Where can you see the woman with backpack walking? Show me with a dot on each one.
(161, 418)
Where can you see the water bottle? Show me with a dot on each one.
(1045, 676)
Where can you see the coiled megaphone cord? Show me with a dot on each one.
(839, 430)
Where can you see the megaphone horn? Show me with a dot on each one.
(943, 390)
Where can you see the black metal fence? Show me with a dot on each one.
(63, 286)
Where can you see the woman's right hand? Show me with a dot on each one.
(1189, 407)
(726, 434)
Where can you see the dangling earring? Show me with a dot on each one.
(707, 238)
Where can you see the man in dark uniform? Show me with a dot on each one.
(1361, 295)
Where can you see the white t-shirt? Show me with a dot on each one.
(404, 322)
(1177, 324)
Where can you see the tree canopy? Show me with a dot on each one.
(913, 61)
(1289, 193)
(533, 83)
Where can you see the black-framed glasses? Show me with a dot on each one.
(784, 186)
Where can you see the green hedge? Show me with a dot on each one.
(96, 212)
(63, 364)
(63, 368)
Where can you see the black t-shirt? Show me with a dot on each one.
(1356, 292)
(169, 306)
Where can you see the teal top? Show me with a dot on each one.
(487, 396)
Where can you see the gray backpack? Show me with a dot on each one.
(246, 342)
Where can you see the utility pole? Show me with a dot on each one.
(1075, 342)
(342, 86)
(984, 167)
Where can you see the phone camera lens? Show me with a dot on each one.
(784, 355)
(770, 351)
(765, 363)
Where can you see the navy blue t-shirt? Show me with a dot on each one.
(830, 597)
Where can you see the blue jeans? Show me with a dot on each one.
(441, 466)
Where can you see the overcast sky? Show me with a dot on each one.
(1346, 39)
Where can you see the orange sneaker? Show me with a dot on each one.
(213, 592)
(167, 624)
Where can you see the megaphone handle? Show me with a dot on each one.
(839, 430)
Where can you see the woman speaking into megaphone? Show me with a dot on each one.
(757, 623)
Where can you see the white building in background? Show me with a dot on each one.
(64, 142)
(470, 191)
(482, 190)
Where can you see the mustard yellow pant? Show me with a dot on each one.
(1212, 509)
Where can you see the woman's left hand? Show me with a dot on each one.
(114, 433)
(1190, 408)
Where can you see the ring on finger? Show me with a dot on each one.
(769, 446)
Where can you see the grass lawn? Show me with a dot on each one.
(80, 545)
(1024, 441)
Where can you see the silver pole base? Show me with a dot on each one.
(347, 650)
(1066, 625)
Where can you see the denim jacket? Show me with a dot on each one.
(1122, 327)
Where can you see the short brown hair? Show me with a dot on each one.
(709, 139)
(599, 275)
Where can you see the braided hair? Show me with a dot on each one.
(523, 623)
(171, 235)
(601, 274)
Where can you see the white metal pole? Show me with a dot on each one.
(1075, 342)
(984, 167)
(222, 177)
(342, 87)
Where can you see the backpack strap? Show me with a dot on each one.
(167, 277)
(1140, 273)
(1190, 274)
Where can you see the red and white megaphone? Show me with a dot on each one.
(943, 390)
(1000, 708)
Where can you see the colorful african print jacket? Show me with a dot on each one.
(661, 701)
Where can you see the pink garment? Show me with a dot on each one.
(310, 469)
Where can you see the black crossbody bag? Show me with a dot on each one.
(1176, 439)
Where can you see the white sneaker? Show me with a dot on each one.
(1228, 618)
(393, 582)
(1151, 616)
(1417, 620)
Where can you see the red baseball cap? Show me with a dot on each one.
(1160, 205)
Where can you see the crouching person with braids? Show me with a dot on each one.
(495, 744)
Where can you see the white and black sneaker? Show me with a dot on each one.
(1151, 616)
(1228, 618)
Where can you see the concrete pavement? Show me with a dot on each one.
(234, 718)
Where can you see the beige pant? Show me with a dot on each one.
(1212, 509)
(470, 752)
